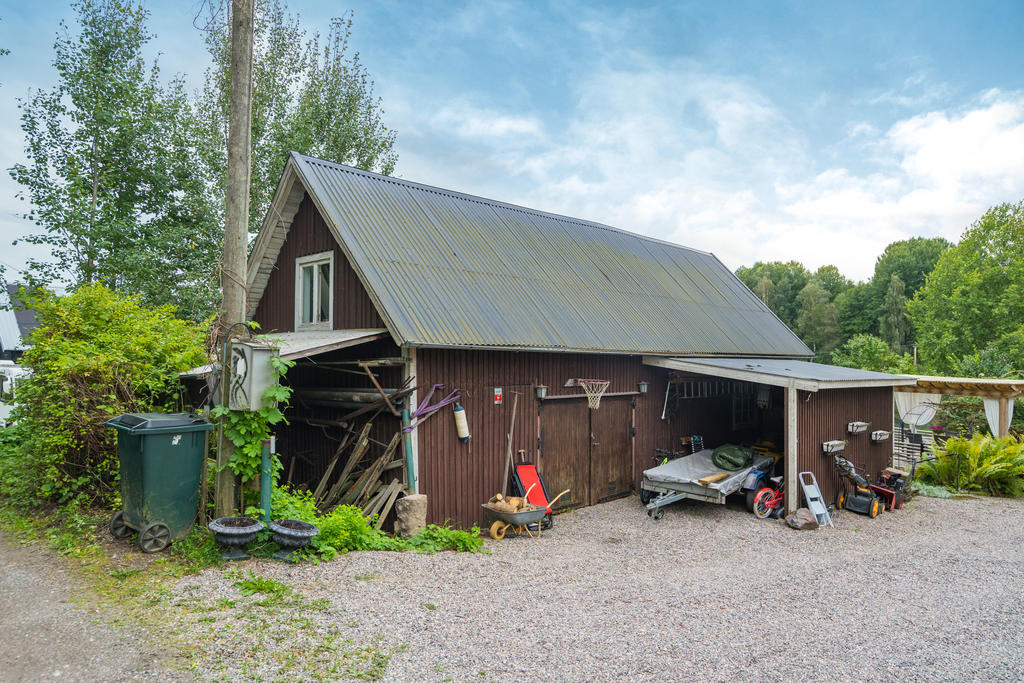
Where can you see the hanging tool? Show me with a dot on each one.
(508, 449)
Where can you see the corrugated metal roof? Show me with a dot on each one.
(778, 371)
(10, 335)
(449, 269)
(294, 345)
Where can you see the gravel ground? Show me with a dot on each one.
(45, 636)
(931, 592)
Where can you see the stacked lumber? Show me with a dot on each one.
(370, 482)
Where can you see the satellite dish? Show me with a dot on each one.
(921, 414)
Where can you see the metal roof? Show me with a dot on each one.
(448, 269)
(781, 372)
(293, 345)
(10, 335)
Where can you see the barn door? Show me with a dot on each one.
(586, 451)
(565, 446)
(611, 453)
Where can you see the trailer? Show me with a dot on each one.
(695, 477)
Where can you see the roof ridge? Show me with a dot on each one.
(494, 202)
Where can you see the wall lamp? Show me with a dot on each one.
(541, 391)
(642, 387)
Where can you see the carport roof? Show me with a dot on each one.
(783, 373)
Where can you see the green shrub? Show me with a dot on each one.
(94, 355)
(986, 464)
(344, 529)
(435, 538)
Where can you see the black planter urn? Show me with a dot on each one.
(234, 532)
(291, 535)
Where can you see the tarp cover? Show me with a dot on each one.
(688, 469)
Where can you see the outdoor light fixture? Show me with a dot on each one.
(642, 387)
(857, 427)
(833, 446)
(542, 391)
(880, 435)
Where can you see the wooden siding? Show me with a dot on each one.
(353, 308)
(457, 477)
(823, 417)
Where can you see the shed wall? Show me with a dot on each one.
(353, 308)
(457, 477)
(824, 417)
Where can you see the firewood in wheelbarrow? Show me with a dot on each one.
(497, 497)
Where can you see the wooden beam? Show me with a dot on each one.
(792, 497)
(1004, 417)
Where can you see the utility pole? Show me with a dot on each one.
(236, 222)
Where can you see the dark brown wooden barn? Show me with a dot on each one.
(442, 288)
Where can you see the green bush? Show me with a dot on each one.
(344, 529)
(94, 355)
(984, 464)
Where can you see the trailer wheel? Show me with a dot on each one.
(646, 496)
(751, 495)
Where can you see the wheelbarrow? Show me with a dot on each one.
(517, 521)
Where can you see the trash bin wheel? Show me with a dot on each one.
(154, 538)
(118, 529)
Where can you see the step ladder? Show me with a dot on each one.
(812, 494)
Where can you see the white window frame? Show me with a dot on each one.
(314, 259)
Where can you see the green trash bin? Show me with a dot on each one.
(161, 464)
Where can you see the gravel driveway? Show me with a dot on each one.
(932, 592)
(47, 637)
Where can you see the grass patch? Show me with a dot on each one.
(931, 490)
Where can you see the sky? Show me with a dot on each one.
(810, 131)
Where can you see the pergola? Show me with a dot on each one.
(1004, 390)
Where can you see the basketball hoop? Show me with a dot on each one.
(594, 389)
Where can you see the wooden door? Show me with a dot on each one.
(611, 452)
(565, 451)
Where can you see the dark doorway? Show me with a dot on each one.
(587, 451)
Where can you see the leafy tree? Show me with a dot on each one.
(817, 322)
(833, 282)
(310, 96)
(94, 355)
(788, 280)
(868, 352)
(911, 260)
(110, 170)
(893, 324)
(855, 311)
(975, 294)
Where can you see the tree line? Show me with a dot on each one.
(125, 170)
(958, 309)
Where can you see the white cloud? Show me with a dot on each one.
(708, 160)
(469, 121)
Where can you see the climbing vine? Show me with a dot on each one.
(247, 429)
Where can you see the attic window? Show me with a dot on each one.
(314, 283)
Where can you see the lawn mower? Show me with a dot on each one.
(862, 499)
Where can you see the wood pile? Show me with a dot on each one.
(503, 503)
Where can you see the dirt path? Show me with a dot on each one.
(47, 637)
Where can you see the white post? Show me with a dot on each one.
(409, 371)
(791, 448)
